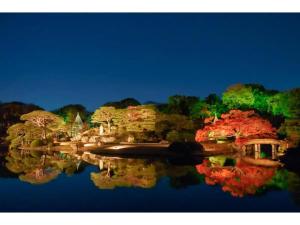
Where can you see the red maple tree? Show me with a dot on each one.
(239, 124)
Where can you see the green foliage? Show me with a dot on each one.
(69, 112)
(36, 143)
(200, 110)
(180, 104)
(211, 106)
(173, 136)
(279, 180)
(291, 129)
(217, 160)
(140, 137)
(285, 103)
(238, 96)
(185, 136)
(173, 122)
(254, 96)
(261, 97)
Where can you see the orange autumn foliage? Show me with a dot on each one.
(238, 124)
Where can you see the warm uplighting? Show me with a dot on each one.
(119, 147)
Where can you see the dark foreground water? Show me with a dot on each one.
(58, 183)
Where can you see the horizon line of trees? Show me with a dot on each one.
(182, 113)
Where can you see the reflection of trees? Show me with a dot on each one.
(38, 168)
(190, 177)
(243, 179)
(126, 173)
(294, 187)
(143, 173)
(40, 175)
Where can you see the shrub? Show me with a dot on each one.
(183, 136)
(173, 136)
(36, 143)
(187, 136)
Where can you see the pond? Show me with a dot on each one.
(33, 182)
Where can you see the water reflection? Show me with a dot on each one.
(39, 168)
(234, 175)
(240, 178)
(143, 173)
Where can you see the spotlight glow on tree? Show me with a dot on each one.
(237, 124)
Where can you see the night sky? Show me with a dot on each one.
(57, 59)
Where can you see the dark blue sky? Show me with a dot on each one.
(57, 59)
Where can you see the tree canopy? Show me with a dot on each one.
(237, 124)
(69, 112)
(10, 113)
(286, 103)
(44, 120)
(124, 103)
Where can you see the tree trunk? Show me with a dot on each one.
(44, 133)
(109, 126)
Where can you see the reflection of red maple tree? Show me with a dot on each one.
(237, 124)
(240, 180)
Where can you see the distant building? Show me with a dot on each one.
(76, 126)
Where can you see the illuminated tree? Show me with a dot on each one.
(44, 120)
(104, 114)
(261, 97)
(238, 96)
(140, 118)
(210, 107)
(200, 110)
(285, 103)
(237, 124)
(16, 134)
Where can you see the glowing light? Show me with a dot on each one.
(119, 147)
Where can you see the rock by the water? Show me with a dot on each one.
(107, 139)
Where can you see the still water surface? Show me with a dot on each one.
(59, 183)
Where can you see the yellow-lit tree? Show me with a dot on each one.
(104, 114)
(44, 120)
